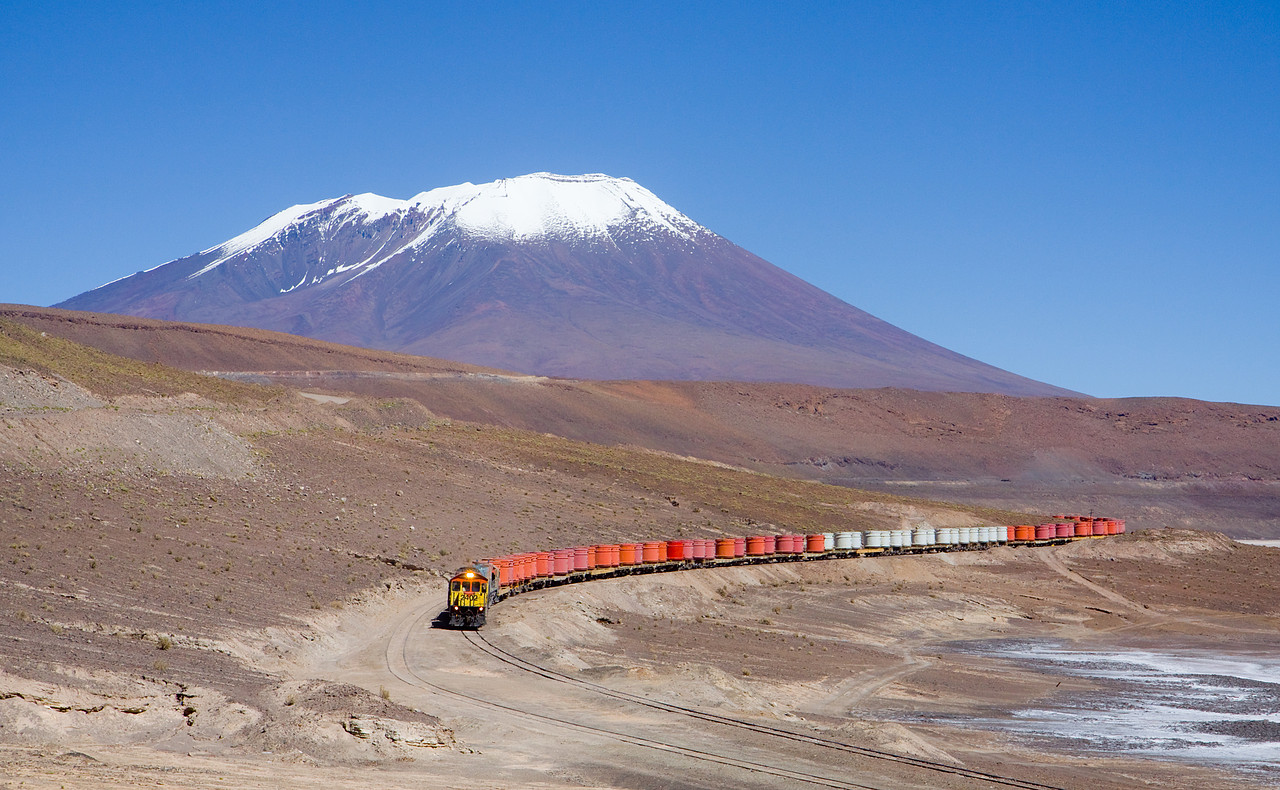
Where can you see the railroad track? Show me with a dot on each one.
(398, 665)
(515, 661)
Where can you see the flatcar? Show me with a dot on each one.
(472, 590)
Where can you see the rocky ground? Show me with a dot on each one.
(1160, 461)
(877, 653)
(210, 584)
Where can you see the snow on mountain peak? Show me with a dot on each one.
(267, 229)
(547, 205)
(530, 207)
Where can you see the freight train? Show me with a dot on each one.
(472, 590)
(476, 588)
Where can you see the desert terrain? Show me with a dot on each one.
(1160, 461)
(207, 582)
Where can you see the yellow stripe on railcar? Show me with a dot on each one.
(472, 590)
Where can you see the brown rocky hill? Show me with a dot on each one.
(211, 583)
(1159, 461)
(159, 527)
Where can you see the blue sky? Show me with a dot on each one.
(1087, 194)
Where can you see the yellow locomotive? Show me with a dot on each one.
(472, 590)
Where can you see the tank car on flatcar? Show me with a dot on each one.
(472, 590)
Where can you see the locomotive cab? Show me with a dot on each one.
(472, 590)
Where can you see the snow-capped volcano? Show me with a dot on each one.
(580, 276)
(527, 208)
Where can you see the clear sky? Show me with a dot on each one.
(1084, 193)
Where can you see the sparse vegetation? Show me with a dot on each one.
(264, 549)
(109, 375)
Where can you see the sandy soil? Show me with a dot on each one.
(856, 651)
(231, 587)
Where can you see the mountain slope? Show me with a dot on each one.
(575, 276)
(1159, 461)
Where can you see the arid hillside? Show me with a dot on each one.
(151, 517)
(207, 582)
(1160, 461)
